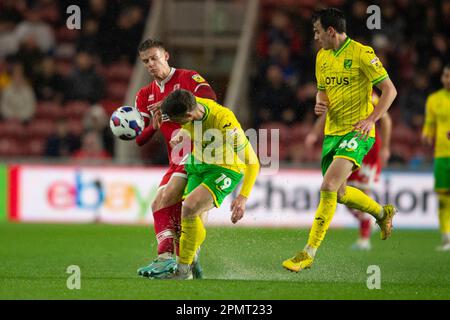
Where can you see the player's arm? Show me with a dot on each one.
(385, 129)
(149, 130)
(179, 137)
(322, 103)
(429, 127)
(373, 69)
(316, 132)
(252, 167)
(388, 94)
(200, 87)
(146, 135)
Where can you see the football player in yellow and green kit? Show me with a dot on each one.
(346, 71)
(437, 129)
(221, 157)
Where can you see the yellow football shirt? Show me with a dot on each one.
(437, 121)
(347, 76)
(217, 137)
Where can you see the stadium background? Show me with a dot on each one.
(60, 163)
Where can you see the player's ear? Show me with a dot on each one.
(331, 31)
(166, 55)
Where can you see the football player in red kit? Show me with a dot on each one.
(167, 205)
(368, 174)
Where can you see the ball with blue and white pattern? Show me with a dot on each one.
(126, 123)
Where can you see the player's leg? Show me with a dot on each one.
(167, 219)
(444, 220)
(334, 178)
(217, 184)
(364, 220)
(442, 187)
(166, 209)
(193, 229)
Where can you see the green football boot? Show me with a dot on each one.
(158, 266)
(197, 271)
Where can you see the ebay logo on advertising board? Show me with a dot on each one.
(78, 194)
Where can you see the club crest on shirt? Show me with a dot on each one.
(375, 62)
(176, 87)
(347, 64)
(198, 78)
(151, 97)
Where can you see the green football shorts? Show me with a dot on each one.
(347, 147)
(219, 181)
(442, 174)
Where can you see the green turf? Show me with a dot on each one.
(239, 263)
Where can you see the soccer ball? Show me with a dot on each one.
(126, 123)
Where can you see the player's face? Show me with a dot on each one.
(156, 62)
(445, 78)
(183, 119)
(322, 36)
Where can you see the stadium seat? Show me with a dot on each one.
(111, 105)
(64, 34)
(9, 147)
(11, 129)
(49, 110)
(76, 109)
(117, 89)
(298, 132)
(76, 126)
(284, 130)
(40, 128)
(119, 71)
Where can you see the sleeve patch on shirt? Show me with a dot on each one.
(198, 78)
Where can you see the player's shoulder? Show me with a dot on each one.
(148, 89)
(436, 94)
(190, 74)
(321, 53)
(364, 49)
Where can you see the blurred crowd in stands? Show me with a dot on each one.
(413, 45)
(58, 86)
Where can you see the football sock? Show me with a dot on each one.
(166, 224)
(324, 214)
(444, 213)
(356, 199)
(364, 227)
(193, 234)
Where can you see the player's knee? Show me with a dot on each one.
(168, 198)
(188, 210)
(329, 185)
(155, 206)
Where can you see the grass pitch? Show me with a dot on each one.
(238, 263)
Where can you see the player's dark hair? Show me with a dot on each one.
(178, 103)
(151, 43)
(331, 17)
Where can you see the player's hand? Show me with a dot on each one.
(176, 140)
(310, 140)
(427, 140)
(154, 107)
(320, 108)
(156, 119)
(238, 208)
(363, 128)
(385, 154)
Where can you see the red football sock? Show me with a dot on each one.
(364, 228)
(167, 227)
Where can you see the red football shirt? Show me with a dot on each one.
(155, 92)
